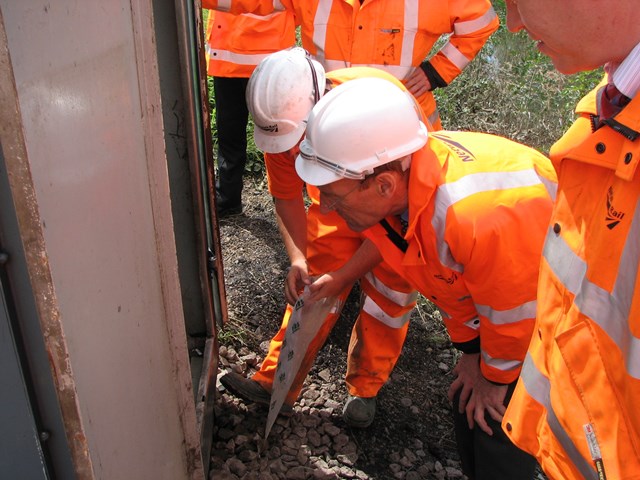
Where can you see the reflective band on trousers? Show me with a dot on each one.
(404, 299)
(373, 309)
(451, 193)
(513, 315)
(538, 388)
(609, 310)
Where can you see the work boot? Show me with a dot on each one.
(250, 390)
(226, 212)
(359, 412)
(224, 209)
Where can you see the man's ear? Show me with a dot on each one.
(387, 183)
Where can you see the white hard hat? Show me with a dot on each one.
(357, 126)
(281, 92)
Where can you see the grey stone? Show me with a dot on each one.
(236, 467)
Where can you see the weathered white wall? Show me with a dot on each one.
(84, 73)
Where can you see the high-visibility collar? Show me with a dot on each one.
(605, 147)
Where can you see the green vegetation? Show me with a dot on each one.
(510, 89)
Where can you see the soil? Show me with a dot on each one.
(412, 435)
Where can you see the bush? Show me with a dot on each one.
(511, 89)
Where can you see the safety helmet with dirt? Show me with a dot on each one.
(281, 92)
(356, 127)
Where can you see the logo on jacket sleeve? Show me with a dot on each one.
(613, 216)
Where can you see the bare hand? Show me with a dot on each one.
(467, 371)
(417, 83)
(297, 279)
(486, 398)
(327, 285)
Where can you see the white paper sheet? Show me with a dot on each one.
(305, 321)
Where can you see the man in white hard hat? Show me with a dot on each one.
(462, 217)
(576, 405)
(280, 95)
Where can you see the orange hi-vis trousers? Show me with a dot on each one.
(380, 329)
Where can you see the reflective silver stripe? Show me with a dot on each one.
(237, 58)
(224, 5)
(330, 65)
(320, 23)
(264, 18)
(550, 185)
(609, 310)
(505, 317)
(500, 363)
(451, 193)
(410, 29)
(470, 26)
(474, 323)
(454, 55)
(373, 309)
(403, 299)
(434, 117)
(623, 292)
(538, 388)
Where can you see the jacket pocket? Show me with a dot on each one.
(593, 370)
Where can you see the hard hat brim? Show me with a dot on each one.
(313, 174)
(277, 143)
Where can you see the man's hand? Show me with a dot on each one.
(478, 395)
(489, 398)
(417, 83)
(297, 279)
(467, 371)
(328, 285)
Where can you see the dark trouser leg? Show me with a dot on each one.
(492, 457)
(231, 120)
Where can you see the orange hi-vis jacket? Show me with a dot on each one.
(393, 35)
(235, 44)
(576, 406)
(478, 210)
(380, 329)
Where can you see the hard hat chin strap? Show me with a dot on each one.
(314, 79)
